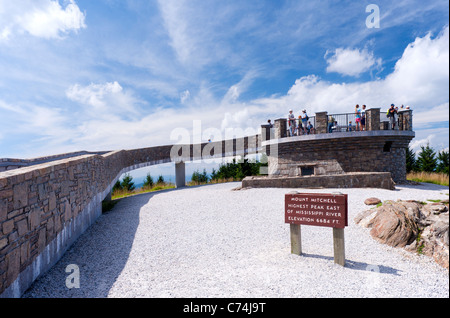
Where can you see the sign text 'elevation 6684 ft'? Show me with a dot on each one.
(318, 209)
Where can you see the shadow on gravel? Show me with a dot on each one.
(100, 254)
(423, 186)
(359, 265)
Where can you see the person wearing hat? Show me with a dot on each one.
(291, 121)
(391, 115)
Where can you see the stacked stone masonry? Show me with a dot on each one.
(45, 207)
(370, 153)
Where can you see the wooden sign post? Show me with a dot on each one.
(318, 209)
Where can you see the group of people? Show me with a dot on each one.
(304, 126)
(392, 114)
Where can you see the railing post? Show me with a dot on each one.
(321, 122)
(180, 174)
(373, 119)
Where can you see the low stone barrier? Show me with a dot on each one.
(381, 180)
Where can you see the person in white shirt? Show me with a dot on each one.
(291, 122)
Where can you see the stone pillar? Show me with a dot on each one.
(405, 119)
(180, 174)
(280, 128)
(322, 122)
(265, 132)
(400, 120)
(373, 119)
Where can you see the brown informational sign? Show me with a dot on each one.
(317, 209)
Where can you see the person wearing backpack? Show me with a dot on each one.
(391, 115)
(305, 119)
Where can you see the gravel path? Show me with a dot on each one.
(210, 241)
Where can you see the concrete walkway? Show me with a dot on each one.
(210, 241)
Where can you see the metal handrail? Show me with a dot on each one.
(346, 122)
(300, 132)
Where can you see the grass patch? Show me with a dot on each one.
(429, 177)
(419, 243)
(213, 181)
(125, 193)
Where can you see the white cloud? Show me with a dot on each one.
(417, 143)
(427, 116)
(175, 17)
(185, 96)
(104, 99)
(351, 62)
(420, 79)
(44, 124)
(421, 76)
(40, 18)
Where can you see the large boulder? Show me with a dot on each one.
(422, 228)
(395, 223)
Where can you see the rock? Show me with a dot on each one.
(394, 225)
(434, 208)
(372, 201)
(416, 227)
(434, 240)
(364, 218)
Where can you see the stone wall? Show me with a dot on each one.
(380, 180)
(10, 163)
(45, 207)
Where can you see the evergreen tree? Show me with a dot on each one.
(160, 180)
(148, 182)
(411, 163)
(427, 160)
(443, 162)
(214, 175)
(200, 177)
(117, 186)
(237, 170)
(127, 182)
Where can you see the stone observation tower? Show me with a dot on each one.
(336, 155)
(47, 203)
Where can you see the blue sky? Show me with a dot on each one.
(116, 74)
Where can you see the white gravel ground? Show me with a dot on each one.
(210, 241)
